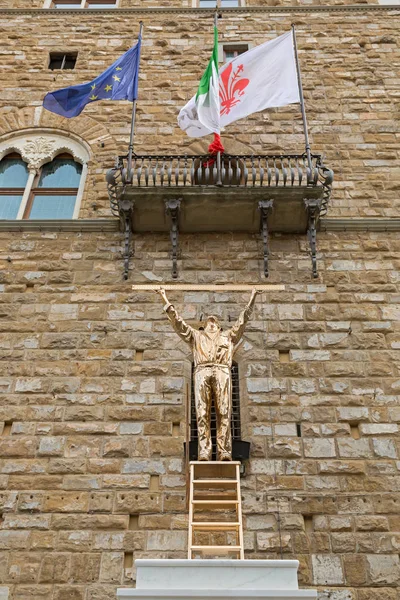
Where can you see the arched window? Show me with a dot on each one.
(236, 426)
(42, 176)
(14, 176)
(55, 189)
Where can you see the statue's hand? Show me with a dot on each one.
(162, 293)
(254, 293)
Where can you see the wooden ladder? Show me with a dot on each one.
(215, 487)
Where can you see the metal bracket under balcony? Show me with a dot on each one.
(190, 194)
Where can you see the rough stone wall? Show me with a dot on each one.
(138, 4)
(93, 381)
(93, 386)
(350, 67)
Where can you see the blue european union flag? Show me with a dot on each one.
(118, 82)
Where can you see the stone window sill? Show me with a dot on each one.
(61, 225)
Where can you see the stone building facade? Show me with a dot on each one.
(93, 382)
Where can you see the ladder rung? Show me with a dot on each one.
(214, 526)
(215, 549)
(210, 505)
(203, 495)
(214, 502)
(217, 482)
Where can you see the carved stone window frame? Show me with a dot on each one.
(196, 3)
(81, 5)
(37, 148)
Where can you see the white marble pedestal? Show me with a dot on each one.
(220, 579)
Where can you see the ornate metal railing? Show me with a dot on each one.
(273, 170)
(258, 171)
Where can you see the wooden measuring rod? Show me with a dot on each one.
(193, 287)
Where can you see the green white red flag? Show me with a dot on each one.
(206, 106)
(263, 77)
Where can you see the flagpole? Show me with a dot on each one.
(133, 121)
(219, 180)
(303, 110)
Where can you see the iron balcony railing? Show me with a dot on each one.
(224, 170)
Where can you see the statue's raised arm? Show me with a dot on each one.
(180, 326)
(237, 330)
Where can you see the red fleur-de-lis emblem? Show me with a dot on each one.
(231, 88)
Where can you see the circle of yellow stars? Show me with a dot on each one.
(107, 88)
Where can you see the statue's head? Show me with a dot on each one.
(212, 324)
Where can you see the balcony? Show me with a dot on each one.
(203, 193)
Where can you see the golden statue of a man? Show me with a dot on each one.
(213, 351)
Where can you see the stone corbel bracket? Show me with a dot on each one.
(172, 208)
(126, 208)
(265, 206)
(313, 208)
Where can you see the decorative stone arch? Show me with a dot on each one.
(95, 136)
(39, 146)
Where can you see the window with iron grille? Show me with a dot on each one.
(73, 4)
(61, 60)
(236, 428)
(223, 4)
(231, 51)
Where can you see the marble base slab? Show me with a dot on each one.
(220, 579)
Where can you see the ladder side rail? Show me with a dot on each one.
(240, 516)
(190, 536)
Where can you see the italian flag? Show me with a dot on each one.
(207, 97)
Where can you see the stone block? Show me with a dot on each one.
(13, 540)
(55, 568)
(355, 571)
(85, 567)
(383, 569)
(116, 448)
(285, 429)
(63, 312)
(372, 523)
(16, 521)
(19, 448)
(291, 312)
(319, 448)
(340, 523)
(267, 385)
(260, 522)
(292, 522)
(130, 428)
(385, 448)
(343, 543)
(66, 502)
(285, 448)
(327, 569)
(112, 564)
(310, 355)
(51, 446)
(352, 448)
(378, 428)
(23, 567)
(137, 502)
(69, 592)
(172, 541)
(273, 542)
(341, 466)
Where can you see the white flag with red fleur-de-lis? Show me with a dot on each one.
(263, 77)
